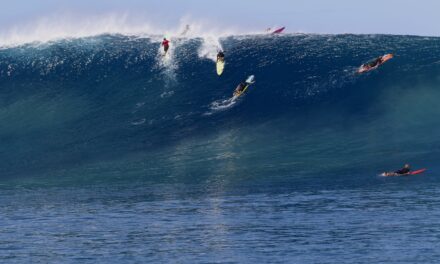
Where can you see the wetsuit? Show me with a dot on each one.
(403, 171)
(220, 56)
(375, 63)
(166, 45)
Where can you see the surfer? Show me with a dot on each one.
(220, 56)
(220, 64)
(185, 31)
(166, 45)
(241, 88)
(403, 171)
(375, 63)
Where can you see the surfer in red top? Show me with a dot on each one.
(165, 44)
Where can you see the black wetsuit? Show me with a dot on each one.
(375, 63)
(221, 56)
(403, 171)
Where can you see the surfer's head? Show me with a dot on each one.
(407, 166)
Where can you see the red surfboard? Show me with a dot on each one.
(280, 30)
(417, 172)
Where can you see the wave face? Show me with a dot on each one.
(110, 107)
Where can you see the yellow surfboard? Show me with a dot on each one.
(220, 67)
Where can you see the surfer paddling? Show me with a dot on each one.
(374, 64)
(403, 171)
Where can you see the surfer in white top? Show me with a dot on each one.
(186, 30)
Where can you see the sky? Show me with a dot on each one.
(308, 16)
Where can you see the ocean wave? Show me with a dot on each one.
(71, 103)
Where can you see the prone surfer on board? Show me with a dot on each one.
(403, 171)
(166, 45)
(374, 64)
(378, 61)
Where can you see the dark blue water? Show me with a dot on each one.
(111, 154)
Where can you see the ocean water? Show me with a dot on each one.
(111, 153)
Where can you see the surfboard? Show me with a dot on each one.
(366, 68)
(220, 67)
(280, 30)
(417, 172)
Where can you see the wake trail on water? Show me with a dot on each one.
(222, 105)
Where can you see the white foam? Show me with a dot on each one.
(222, 105)
(210, 47)
(54, 28)
(67, 26)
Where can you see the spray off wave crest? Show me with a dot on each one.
(71, 27)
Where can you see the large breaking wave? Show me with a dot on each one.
(110, 106)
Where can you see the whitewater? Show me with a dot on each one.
(110, 153)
